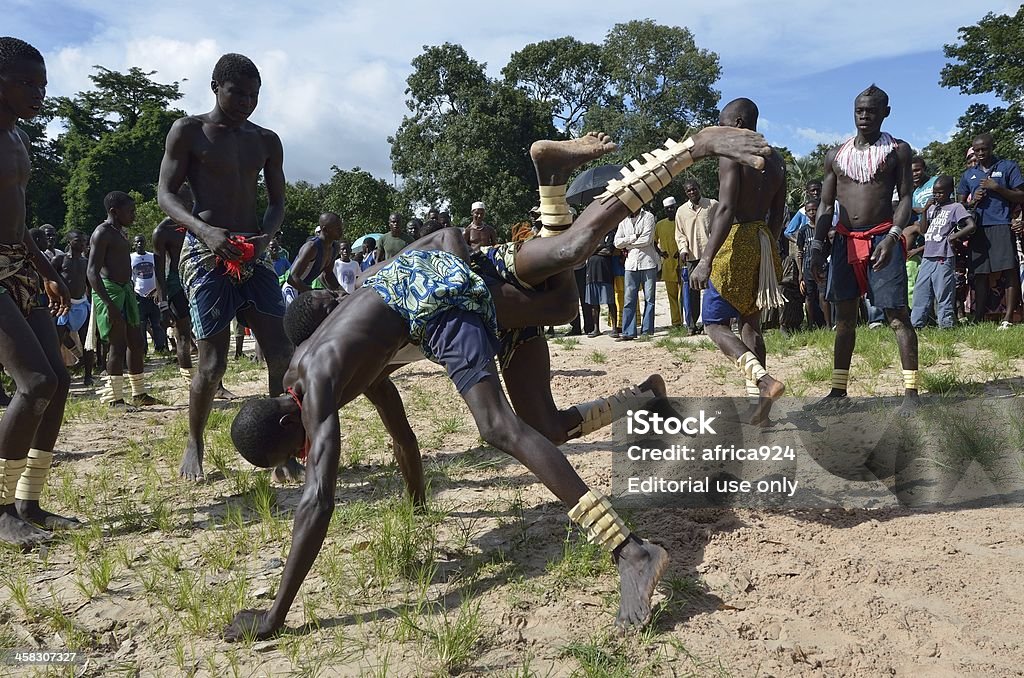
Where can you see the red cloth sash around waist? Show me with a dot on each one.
(858, 249)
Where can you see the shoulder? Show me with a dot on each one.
(23, 135)
(903, 150)
(187, 124)
(268, 136)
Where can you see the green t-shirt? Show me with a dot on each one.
(392, 245)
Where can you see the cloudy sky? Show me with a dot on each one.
(334, 72)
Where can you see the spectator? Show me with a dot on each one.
(479, 234)
(990, 189)
(144, 280)
(394, 241)
(693, 227)
(665, 238)
(818, 314)
(345, 269)
(599, 291)
(369, 253)
(942, 223)
(635, 235)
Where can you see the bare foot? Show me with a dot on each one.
(30, 512)
(144, 400)
(192, 463)
(655, 384)
(16, 532)
(289, 472)
(640, 568)
(224, 394)
(741, 145)
(911, 401)
(771, 390)
(556, 160)
(835, 398)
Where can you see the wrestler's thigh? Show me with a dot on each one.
(20, 351)
(45, 330)
(528, 382)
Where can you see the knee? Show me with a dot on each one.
(40, 387)
(211, 371)
(496, 432)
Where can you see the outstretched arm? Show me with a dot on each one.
(312, 517)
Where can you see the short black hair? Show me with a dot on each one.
(875, 92)
(37, 235)
(944, 179)
(258, 435)
(116, 200)
(302, 318)
(743, 108)
(691, 182)
(813, 182)
(13, 49)
(812, 201)
(919, 160)
(985, 138)
(372, 242)
(232, 67)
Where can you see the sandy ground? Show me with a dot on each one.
(748, 592)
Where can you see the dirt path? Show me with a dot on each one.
(488, 582)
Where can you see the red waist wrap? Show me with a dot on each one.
(858, 249)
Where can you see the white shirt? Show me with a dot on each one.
(346, 272)
(637, 235)
(143, 273)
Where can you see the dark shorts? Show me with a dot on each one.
(992, 249)
(887, 289)
(510, 341)
(714, 309)
(218, 299)
(464, 343)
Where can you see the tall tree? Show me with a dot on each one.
(565, 74)
(44, 202)
(467, 137)
(987, 59)
(114, 140)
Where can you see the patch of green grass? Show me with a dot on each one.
(399, 543)
(568, 343)
(598, 357)
(817, 370)
(944, 382)
(596, 659)
(1006, 344)
(453, 637)
(580, 560)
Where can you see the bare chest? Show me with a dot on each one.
(230, 152)
(14, 160)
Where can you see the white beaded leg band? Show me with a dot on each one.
(599, 413)
(33, 478)
(10, 474)
(114, 390)
(751, 366)
(603, 526)
(640, 181)
(752, 390)
(840, 379)
(554, 210)
(911, 380)
(138, 382)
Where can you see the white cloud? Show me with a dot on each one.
(820, 136)
(334, 73)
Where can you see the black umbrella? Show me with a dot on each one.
(591, 183)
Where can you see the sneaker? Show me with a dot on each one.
(594, 334)
(1005, 325)
(874, 326)
(624, 337)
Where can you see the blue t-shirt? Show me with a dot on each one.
(281, 266)
(941, 222)
(922, 195)
(992, 209)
